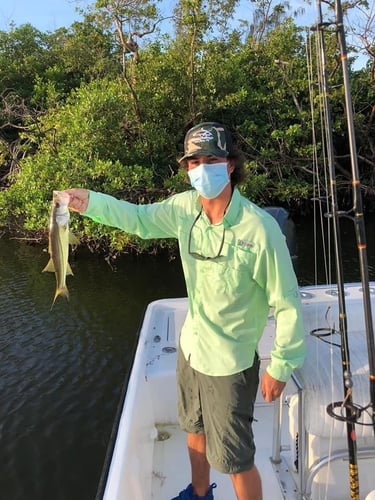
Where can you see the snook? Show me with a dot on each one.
(59, 239)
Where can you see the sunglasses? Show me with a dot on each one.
(197, 255)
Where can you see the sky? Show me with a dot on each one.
(48, 15)
(45, 15)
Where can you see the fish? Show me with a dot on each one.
(58, 245)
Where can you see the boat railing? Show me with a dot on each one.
(306, 472)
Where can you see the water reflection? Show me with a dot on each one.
(317, 267)
(62, 370)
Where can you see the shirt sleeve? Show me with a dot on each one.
(155, 220)
(275, 273)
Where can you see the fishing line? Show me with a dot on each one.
(320, 183)
(320, 190)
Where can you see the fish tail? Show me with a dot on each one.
(50, 267)
(60, 291)
(69, 271)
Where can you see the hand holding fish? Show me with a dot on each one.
(79, 199)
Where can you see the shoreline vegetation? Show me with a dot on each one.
(105, 104)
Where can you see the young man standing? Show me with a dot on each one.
(236, 265)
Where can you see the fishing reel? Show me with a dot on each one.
(353, 412)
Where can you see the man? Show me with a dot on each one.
(236, 265)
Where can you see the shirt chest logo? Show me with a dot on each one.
(245, 244)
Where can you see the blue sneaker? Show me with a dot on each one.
(188, 494)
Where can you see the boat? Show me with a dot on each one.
(301, 450)
(315, 442)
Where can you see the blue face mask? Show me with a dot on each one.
(209, 180)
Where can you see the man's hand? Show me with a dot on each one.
(271, 388)
(79, 199)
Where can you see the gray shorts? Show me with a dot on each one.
(222, 409)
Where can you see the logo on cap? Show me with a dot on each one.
(207, 139)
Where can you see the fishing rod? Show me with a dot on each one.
(352, 412)
(357, 210)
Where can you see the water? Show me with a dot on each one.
(62, 370)
(313, 270)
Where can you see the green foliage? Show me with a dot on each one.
(64, 58)
(23, 54)
(255, 185)
(85, 110)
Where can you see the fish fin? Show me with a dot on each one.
(60, 291)
(69, 271)
(50, 268)
(73, 240)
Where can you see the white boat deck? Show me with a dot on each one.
(150, 459)
(171, 476)
(171, 466)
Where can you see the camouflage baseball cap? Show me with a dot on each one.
(209, 139)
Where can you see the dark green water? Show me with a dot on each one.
(62, 370)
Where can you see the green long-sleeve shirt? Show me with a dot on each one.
(230, 295)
